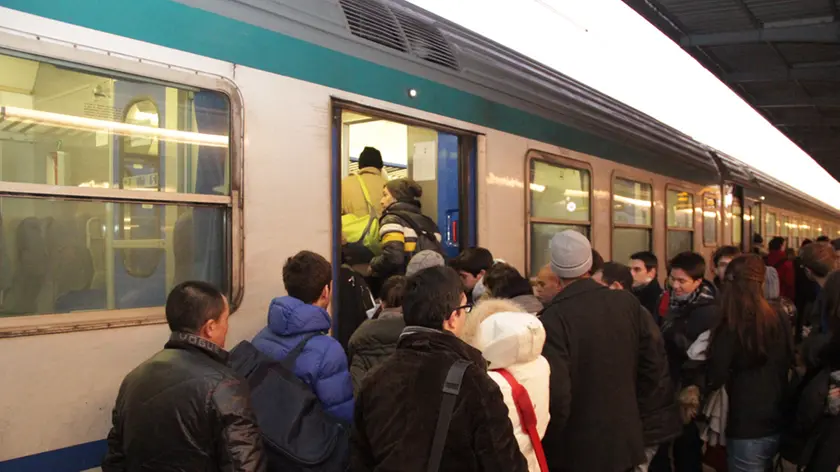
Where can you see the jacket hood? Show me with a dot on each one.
(510, 338)
(529, 303)
(288, 316)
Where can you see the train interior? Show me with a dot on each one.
(65, 126)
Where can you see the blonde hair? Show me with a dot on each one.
(482, 310)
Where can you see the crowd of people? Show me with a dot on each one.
(467, 365)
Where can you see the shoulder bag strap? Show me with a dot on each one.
(290, 359)
(451, 387)
(527, 415)
(371, 211)
(418, 230)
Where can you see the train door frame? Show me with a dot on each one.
(467, 169)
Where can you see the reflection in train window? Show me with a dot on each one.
(737, 222)
(786, 230)
(770, 229)
(632, 221)
(710, 208)
(158, 158)
(680, 209)
(559, 200)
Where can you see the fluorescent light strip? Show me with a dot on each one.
(121, 129)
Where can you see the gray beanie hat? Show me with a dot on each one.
(571, 254)
(424, 260)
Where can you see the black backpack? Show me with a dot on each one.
(425, 229)
(298, 434)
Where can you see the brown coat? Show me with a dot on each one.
(399, 402)
(352, 197)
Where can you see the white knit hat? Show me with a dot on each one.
(571, 254)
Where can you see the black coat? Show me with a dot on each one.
(372, 343)
(659, 410)
(822, 431)
(184, 410)
(603, 366)
(398, 405)
(649, 296)
(680, 328)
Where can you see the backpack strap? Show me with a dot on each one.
(527, 415)
(371, 211)
(290, 359)
(451, 387)
(420, 231)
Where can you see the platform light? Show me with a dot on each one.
(412, 93)
(121, 129)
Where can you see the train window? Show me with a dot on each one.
(429, 156)
(786, 229)
(680, 209)
(794, 234)
(632, 218)
(122, 189)
(559, 200)
(737, 223)
(710, 209)
(770, 230)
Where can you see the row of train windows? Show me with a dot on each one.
(560, 199)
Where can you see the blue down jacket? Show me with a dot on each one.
(322, 365)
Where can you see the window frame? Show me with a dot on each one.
(736, 219)
(676, 187)
(124, 66)
(717, 200)
(561, 161)
(617, 174)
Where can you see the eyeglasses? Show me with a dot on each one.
(467, 308)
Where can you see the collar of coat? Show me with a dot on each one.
(181, 340)
(418, 338)
(576, 288)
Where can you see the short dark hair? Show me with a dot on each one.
(473, 260)
(597, 262)
(431, 296)
(725, 251)
(691, 263)
(305, 275)
(648, 258)
(823, 239)
(504, 281)
(393, 291)
(191, 304)
(616, 272)
(820, 258)
(806, 242)
(776, 243)
(757, 239)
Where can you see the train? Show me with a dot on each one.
(147, 143)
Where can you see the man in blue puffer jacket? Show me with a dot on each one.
(322, 364)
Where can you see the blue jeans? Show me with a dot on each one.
(751, 455)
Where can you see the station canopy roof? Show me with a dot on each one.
(781, 56)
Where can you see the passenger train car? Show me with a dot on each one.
(146, 143)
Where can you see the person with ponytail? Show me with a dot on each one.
(750, 353)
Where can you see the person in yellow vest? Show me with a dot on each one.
(370, 170)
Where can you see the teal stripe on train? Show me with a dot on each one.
(201, 32)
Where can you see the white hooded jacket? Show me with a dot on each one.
(514, 341)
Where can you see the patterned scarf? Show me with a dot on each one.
(705, 294)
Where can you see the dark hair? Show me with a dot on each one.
(832, 302)
(370, 157)
(473, 260)
(776, 243)
(597, 262)
(191, 304)
(504, 281)
(757, 239)
(393, 291)
(823, 239)
(431, 296)
(616, 272)
(725, 251)
(820, 258)
(404, 190)
(744, 308)
(648, 259)
(806, 242)
(305, 275)
(691, 263)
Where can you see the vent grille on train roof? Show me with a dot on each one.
(403, 31)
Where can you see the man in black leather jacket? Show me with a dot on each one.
(184, 410)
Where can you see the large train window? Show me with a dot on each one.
(559, 199)
(737, 222)
(121, 189)
(770, 228)
(786, 228)
(632, 218)
(680, 209)
(795, 228)
(710, 213)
